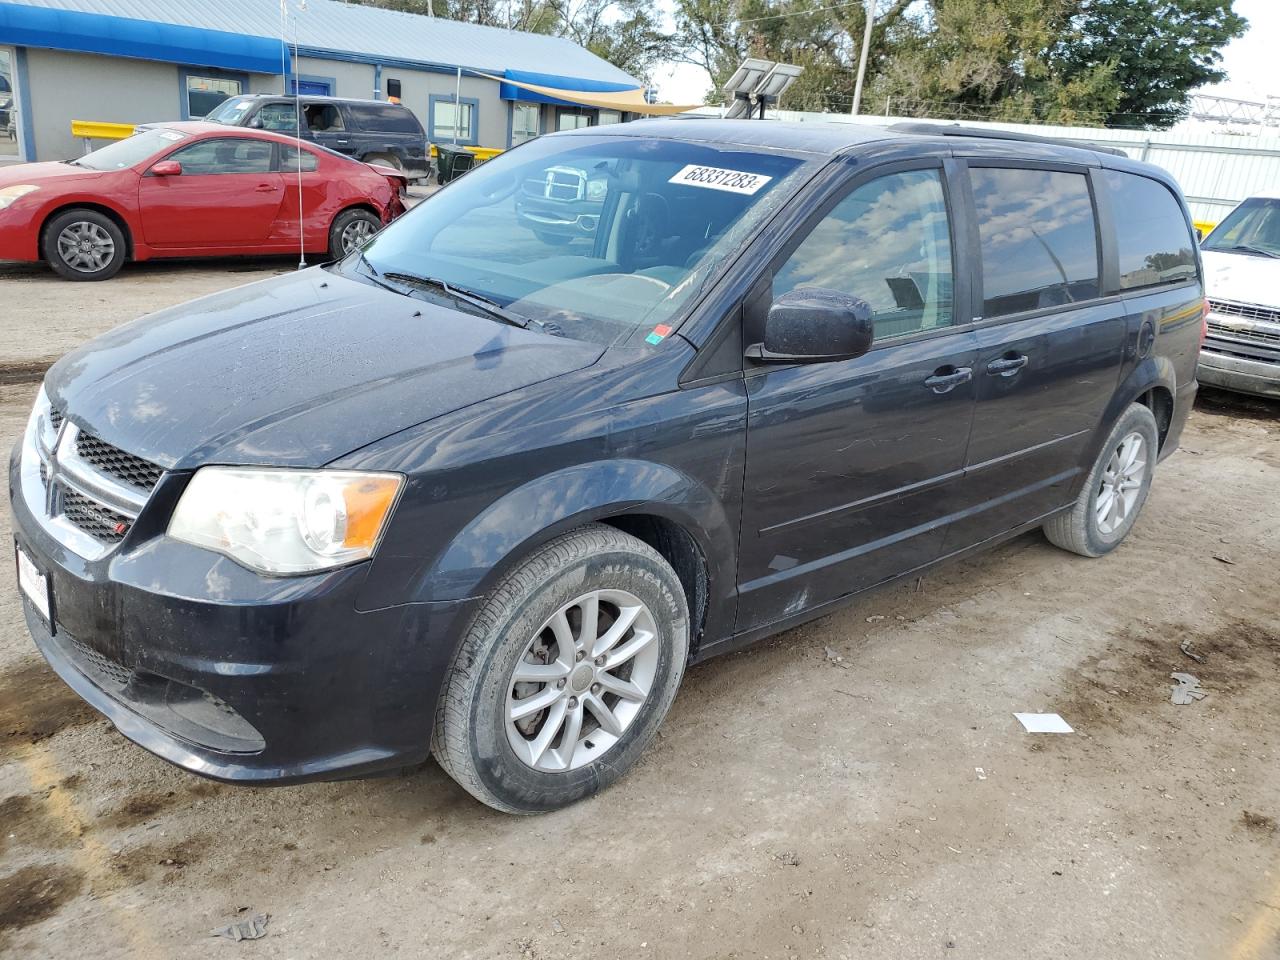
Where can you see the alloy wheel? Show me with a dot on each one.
(85, 246)
(356, 233)
(582, 680)
(1121, 483)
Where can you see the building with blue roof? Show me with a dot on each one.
(134, 61)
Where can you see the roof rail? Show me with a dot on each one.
(956, 130)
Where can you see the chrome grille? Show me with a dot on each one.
(100, 522)
(1252, 334)
(55, 419)
(125, 467)
(1250, 311)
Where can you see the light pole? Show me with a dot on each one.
(862, 56)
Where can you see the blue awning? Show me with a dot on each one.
(23, 26)
(509, 91)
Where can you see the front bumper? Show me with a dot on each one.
(1240, 374)
(233, 675)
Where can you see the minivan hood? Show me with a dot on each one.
(294, 371)
(1241, 277)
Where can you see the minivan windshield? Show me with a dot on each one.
(129, 151)
(1251, 229)
(597, 238)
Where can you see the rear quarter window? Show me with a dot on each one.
(1153, 241)
(386, 117)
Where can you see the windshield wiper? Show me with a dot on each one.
(372, 273)
(1249, 248)
(479, 301)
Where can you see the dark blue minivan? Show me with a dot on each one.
(485, 494)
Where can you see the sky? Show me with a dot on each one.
(1249, 62)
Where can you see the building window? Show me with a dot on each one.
(524, 122)
(204, 93)
(452, 122)
(573, 118)
(609, 116)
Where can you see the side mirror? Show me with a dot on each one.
(814, 325)
(167, 168)
(255, 123)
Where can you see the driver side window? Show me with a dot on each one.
(889, 243)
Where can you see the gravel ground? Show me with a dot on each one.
(857, 787)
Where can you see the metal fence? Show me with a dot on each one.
(1216, 171)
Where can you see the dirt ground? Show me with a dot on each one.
(857, 787)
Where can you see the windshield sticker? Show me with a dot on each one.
(172, 135)
(717, 178)
(658, 335)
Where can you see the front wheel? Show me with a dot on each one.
(565, 674)
(350, 229)
(83, 244)
(1115, 490)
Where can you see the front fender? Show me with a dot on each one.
(542, 509)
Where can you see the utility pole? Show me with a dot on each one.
(862, 56)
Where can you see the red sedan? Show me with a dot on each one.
(187, 190)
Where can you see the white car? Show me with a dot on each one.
(1242, 281)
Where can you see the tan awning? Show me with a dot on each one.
(628, 101)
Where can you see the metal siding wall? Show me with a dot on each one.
(417, 86)
(354, 80)
(81, 86)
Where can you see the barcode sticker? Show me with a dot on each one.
(718, 178)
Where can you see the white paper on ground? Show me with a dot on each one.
(1043, 723)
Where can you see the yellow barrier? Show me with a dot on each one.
(97, 130)
(1203, 226)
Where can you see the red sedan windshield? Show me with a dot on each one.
(130, 151)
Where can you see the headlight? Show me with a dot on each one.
(40, 424)
(596, 189)
(9, 194)
(286, 521)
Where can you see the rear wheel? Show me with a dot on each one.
(83, 244)
(350, 229)
(565, 674)
(1115, 490)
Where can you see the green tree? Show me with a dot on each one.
(1159, 51)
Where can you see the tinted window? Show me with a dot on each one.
(1039, 245)
(224, 156)
(888, 243)
(289, 160)
(323, 117)
(1252, 229)
(376, 116)
(1154, 242)
(278, 116)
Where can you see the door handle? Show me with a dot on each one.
(946, 379)
(265, 188)
(1006, 366)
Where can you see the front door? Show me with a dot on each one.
(1050, 347)
(853, 466)
(228, 194)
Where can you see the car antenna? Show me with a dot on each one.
(297, 123)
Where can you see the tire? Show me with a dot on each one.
(350, 229)
(491, 755)
(83, 244)
(386, 160)
(1083, 529)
